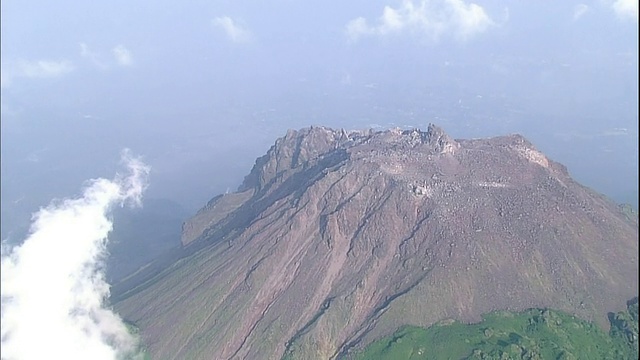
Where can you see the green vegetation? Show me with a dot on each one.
(140, 352)
(532, 334)
(624, 327)
(630, 212)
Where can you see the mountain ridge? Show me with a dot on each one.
(338, 238)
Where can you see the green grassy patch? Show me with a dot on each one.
(140, 352)
(630, 212)
(532, 334)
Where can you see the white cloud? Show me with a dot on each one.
(94, 57)
(53, 286)
(469, 19)
(234, 31)
(122, 55)
(33, 69)
(626, 9)
(56, 68)
(431, 18)
(43, 68)
(358, 27)
(579, 10)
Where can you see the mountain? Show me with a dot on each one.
(338, 238)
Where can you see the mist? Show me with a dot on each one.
(53, 285)
(203, 89)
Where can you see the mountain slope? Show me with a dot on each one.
(338, 238)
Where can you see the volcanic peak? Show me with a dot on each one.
(429, 163)
(299, 147)
(337, 238)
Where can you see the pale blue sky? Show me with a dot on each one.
(202, 88)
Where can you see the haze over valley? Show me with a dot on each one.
(200, 102)
(369, 154)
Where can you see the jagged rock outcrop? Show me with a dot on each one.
(337, 238)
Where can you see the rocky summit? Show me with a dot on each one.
(337, 238)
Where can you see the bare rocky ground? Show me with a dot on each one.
(337, 238)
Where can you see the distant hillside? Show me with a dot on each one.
(336, 239)
(141, 235)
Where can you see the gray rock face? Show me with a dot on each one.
(337, 238)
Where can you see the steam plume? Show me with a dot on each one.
(53, 286)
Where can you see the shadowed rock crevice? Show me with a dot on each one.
(291, 186)
(369, 323)
(325, 305)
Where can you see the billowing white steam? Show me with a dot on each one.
(53, 286)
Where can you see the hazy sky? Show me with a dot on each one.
(202, 88)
